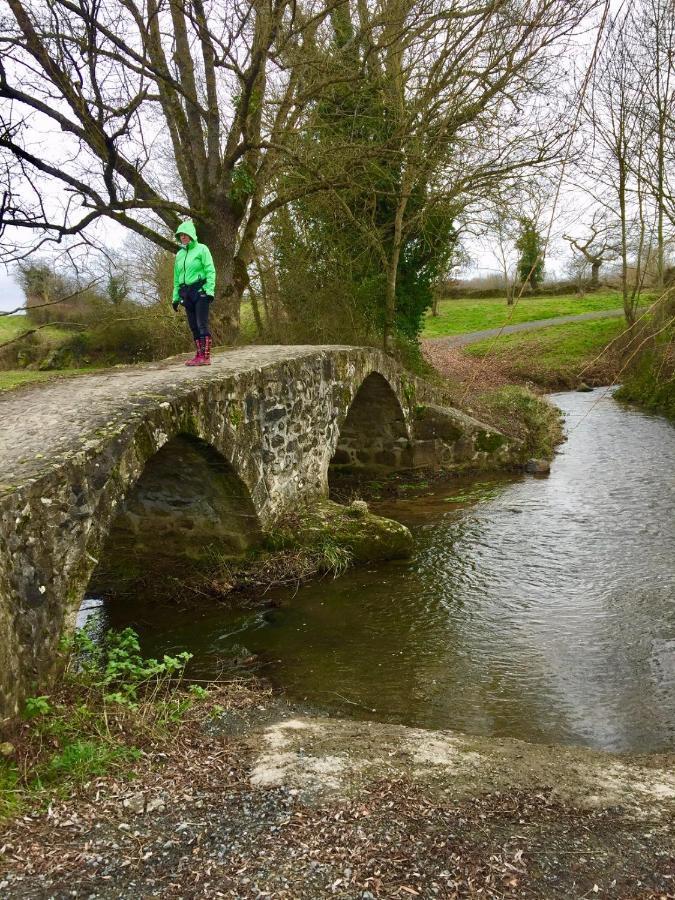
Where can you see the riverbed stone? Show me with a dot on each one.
(538, 466)
(80, 464)
(366, 538)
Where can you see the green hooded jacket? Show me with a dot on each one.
(192, 263)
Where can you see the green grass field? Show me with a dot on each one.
(556, 354)
(11, 326)
(463, 316)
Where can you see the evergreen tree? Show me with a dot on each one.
(531, 249)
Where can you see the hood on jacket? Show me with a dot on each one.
(187, 228)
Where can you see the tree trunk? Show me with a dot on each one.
(595, 273)
(230, 285)
(390, 305)
(227, 306)
(392, 269)
(256, 312)
(623, 215)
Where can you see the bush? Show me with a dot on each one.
(130, 332)
(42, 286)
(651, 383)
(115, 666)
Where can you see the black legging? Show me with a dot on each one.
(197, 308)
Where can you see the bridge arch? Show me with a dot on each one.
(187, 505)
(374, 434)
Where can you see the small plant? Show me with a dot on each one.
(334, 557)
(37, 706)
(198, 691)
(10, 789)
(116, 666)
(82, 759)
(111, 698)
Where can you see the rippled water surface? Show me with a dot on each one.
(539, 608)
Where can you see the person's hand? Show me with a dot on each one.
(175, 304)
(206, 296)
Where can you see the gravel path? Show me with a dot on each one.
(307, 808)
(473, 337)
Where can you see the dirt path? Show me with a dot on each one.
(473, 337)
(260, 802)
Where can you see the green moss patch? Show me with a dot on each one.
(489, 441)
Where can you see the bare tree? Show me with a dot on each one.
(654, 36)
(147, 113)
(615, 109)
(598, 246)
(501, 231)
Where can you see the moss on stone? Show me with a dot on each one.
(235, 416)
(367, 537)
(489, 441)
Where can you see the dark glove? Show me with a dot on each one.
(206, 296)
(175, 304)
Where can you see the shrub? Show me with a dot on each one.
(115, 666)
(130, 332)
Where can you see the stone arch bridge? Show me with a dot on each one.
(137, 448)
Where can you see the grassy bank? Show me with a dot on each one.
(555, 357)
(651, 385)
(464, 316)
(649, 379)
(522, 415)
(110, 703)
(498, 380)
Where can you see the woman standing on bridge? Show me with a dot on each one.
(194, 285)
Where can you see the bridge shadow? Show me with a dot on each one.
(188, 510)
(373, 439)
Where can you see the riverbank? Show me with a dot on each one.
(559, 357)
(249, 797)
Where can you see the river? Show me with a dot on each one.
(536, 608)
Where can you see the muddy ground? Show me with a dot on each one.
(257, 800)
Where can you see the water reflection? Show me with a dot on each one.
(539, 609)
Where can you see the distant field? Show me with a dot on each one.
(463, 316)
(13, 378)
(11, 326)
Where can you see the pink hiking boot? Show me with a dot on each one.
(198, 357)
(205, 359)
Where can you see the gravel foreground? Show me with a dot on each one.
(261, 802)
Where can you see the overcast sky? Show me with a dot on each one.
(11, 294)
